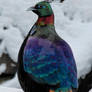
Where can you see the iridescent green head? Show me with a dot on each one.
(42, 9)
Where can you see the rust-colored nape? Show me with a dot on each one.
(48, 20)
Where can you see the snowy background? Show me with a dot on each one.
(73, 21)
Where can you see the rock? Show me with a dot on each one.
(61, 1)
(10, 66)
(85, 84)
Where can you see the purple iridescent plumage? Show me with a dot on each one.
(50, 62)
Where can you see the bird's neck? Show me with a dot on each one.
(48, 20)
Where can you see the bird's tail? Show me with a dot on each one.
(66, 91)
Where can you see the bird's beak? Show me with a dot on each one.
(31, 9)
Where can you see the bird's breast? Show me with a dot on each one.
(45, 61)
(39, 58)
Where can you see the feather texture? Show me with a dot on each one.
(50, 63)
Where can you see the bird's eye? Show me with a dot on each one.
(40, 6)
(43, 6)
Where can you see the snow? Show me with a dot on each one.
(11, 38)
(73, 21)
(14, 83)
(2, 68)
(6, 89)
(90, 90)
(78, 9)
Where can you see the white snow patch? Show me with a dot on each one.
(14, 83)
(2, 68)
(78, 9)
(90, 90)
(6, 89)
(11, 38)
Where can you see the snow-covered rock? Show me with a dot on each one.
(14, 83)
(11, 38)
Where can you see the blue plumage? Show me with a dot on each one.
(50, 63)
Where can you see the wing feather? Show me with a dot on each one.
(49, 62)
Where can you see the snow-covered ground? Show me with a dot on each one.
(5, 89)
(73, 21)
(90, 90)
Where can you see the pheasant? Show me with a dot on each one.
(46, 62)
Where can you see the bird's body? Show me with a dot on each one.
(45, 60)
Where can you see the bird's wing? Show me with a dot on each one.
(49, 62)
(70, 62)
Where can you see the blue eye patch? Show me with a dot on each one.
(40, 6)
(43, 6)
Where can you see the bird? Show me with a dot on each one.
(46, 62)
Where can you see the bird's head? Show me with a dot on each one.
(42, 9)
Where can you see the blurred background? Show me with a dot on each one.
(73, 22)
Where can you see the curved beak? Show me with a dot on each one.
(31, 9)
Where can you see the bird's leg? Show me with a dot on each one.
(51, 90)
